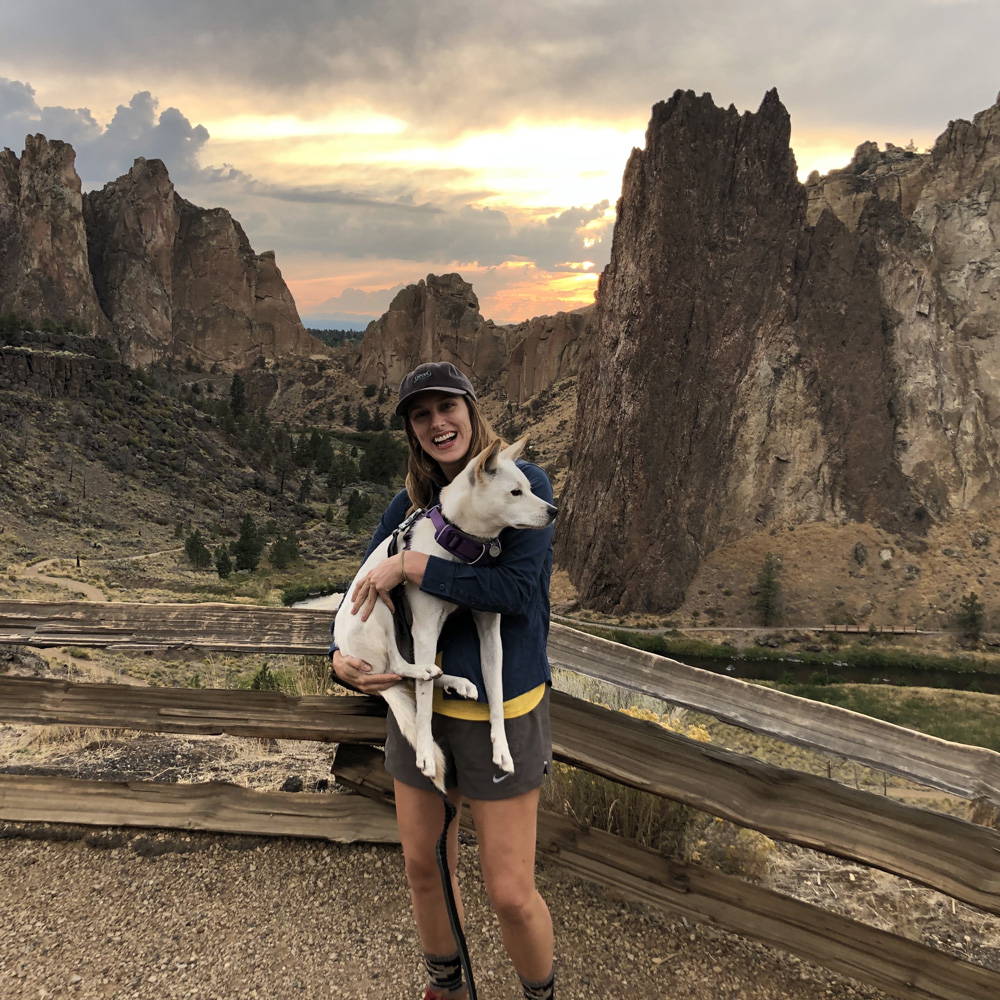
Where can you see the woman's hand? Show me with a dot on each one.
(358, 673)
(377, 583)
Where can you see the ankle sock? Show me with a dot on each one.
(444, 972)
(544, 990)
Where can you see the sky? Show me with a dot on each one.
(371, 142)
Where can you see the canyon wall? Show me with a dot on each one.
(766, 353)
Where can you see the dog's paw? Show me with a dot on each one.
(427, 673)
(502, 757)
(458, 685)
(426, 762)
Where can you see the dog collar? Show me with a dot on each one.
(467, 548)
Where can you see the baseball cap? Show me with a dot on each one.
(441, 376)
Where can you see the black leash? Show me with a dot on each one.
(449, 897)
(402, 621)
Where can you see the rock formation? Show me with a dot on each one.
(136, 261)
(44, 273)
(439, 319)
(182, 281)
(545, 349)
(769, 353)
(435, 319)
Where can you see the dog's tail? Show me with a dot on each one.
(404, 711)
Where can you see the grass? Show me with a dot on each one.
(660, 824)
(959, 716)
(861, 657)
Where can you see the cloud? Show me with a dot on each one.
(445, 66)
(103, 153)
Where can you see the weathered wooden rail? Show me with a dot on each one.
(945, 853)
(940, 851)
(970, 772)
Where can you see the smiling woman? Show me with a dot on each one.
(504, 599)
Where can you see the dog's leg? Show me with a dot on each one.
(461, 686)
(430, 760)
(491, 655)
(401, 702)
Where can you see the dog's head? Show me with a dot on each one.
(500, 492)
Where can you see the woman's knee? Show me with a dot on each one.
(512, 898)
(422, 872)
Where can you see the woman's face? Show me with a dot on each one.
(441, 423)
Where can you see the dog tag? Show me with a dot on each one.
(494, 549)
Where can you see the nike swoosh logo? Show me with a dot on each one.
(496, 780)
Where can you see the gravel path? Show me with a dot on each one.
(140, 915)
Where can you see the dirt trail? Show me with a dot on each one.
(36, 572)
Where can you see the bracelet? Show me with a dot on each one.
(402, 564)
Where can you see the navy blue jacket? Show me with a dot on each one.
(516, 587)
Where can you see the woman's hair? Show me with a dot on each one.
(423, 474)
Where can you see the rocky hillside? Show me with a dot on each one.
(766, 354)
(135, 261)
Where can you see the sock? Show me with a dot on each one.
(544, 990)
(444, 972)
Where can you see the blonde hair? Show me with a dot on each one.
(423, 475)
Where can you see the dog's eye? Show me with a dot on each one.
(515, 493)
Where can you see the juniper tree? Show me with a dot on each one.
(769, 590)
(971, 617)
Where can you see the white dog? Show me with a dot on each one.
(491, 493)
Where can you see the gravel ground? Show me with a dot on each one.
(156, 915)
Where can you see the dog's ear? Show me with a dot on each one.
(513, 453)
(485, 463)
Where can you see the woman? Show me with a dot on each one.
(445, 429)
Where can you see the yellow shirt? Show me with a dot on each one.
(478, 711)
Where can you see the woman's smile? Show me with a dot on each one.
(442, 426)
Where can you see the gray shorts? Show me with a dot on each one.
(468, 754)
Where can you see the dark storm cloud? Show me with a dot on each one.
(446, 66)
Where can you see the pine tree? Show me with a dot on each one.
(223, 562)
(348, 416)
(248, 546)
(384, 459)
(358, 506)
(196, 550)
(971, 617)
(237, 396)
(364, 421)
(305, 488)
(769, 590)
(284, 551)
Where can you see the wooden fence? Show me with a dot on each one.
(939, 851)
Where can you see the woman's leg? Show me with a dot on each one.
(420, 814)
(506, 830)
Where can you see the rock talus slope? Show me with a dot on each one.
(771, 353)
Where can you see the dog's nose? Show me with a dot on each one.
(552, 512)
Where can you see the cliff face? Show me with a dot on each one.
(545, 349)
(438, 319)
(178, 280)
(768, 353)
(44, 272)
(137, 262)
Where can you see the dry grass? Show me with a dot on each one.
(671, 828)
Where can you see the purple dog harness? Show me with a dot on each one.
(467, 548)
